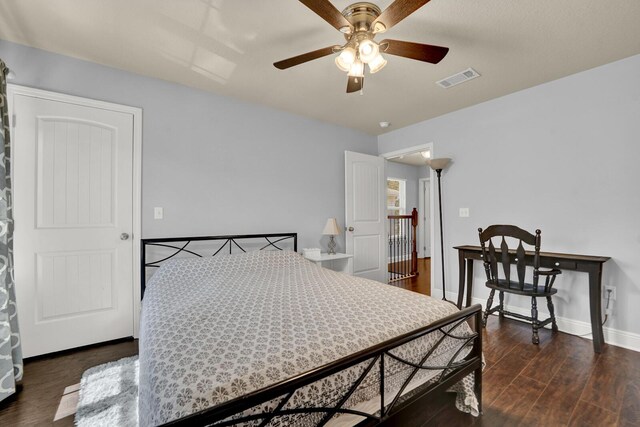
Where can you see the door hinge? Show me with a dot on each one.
(13, 120)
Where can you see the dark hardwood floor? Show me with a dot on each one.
(561, 382)
(45, 379)
(420, 283)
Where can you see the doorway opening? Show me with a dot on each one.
(409, 190)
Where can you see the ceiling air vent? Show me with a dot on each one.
(458, 78)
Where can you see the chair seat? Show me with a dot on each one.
(514, 288)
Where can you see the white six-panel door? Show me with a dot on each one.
(365, 215)
(73, 209)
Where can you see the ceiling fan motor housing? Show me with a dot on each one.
(361, 15)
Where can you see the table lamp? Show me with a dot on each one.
(331, 229)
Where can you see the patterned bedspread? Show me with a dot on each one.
(216, 328)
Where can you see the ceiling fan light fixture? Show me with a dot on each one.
(368, 50)
(377, 64)
(348, 55)
(359, 23)
(346, 59)
(341, 64)
(357, 69)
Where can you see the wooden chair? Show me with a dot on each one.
(506, 257)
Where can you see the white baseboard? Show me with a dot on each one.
(612, 336)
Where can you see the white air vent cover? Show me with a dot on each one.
(458, 78)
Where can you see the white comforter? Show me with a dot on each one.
(216, 328)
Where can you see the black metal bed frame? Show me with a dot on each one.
(230, 240)
(253, 408)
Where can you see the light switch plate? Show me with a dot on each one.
(464, 212)
(158, 213)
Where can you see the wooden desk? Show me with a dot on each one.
(572, 262)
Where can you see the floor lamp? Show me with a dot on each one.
(438, 165)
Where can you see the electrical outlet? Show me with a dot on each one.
(606, 292)
(158, 213)
(464, 212)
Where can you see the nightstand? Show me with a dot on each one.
(337, 262)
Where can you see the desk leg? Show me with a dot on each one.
(460, 277)
(595, 291)
(469, 281)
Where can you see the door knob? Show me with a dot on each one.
(124, 236)
(350, 228)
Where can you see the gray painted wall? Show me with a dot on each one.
(424, 172)
(529, 159)
(217, 165)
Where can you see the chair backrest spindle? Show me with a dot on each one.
(507, 256)
(521, 263)
(506, 264)
(536, 259)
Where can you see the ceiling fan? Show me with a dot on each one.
(360, 23)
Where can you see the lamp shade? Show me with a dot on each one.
(377, 64)
(368, 50)
(331, 227)
(357, 69)
(346, 58)
(438, 164)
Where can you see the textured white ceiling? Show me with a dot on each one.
(228, 47)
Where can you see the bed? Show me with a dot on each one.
(265, 337)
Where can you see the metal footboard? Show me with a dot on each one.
(275, 402)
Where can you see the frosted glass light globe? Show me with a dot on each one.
(357, 69)
(346, 58)
(377, 64)
(368, 50)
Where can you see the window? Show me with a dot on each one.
(396, 196)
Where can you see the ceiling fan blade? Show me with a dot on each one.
(328, 12)
(417, 51)
(355, 84)
(397, 11)
(305, 57)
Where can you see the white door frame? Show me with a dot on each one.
(421, 203)
(411, 150)
(13, 89)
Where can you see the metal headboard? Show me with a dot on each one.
(181, 245)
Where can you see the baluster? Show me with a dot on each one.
(390, 270)
(392, 247)
(404, 247)
(407, 257)
(401, 247)
(395, 248)
(395, 242)
(414, 243)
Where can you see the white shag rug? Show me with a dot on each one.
(109, 395)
